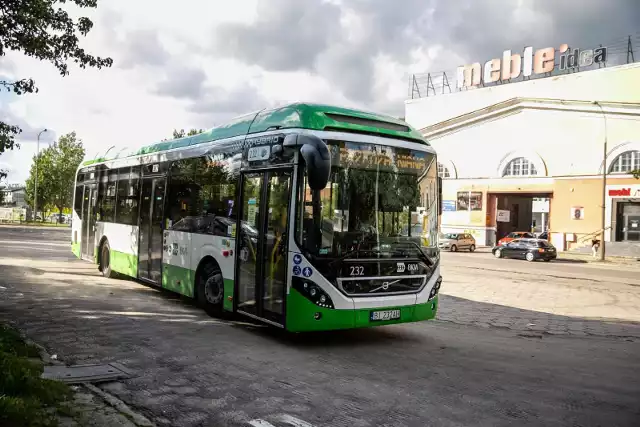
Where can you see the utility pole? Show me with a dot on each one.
(604, 182)
(35, 192)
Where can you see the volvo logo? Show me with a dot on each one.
(385, 285)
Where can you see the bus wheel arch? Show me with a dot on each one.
(209, 285)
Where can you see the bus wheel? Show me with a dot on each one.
(105, 260)
(210, 288)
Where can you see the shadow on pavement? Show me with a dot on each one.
(487, 315)
(100, 301)
(182, 358)
(570, 261)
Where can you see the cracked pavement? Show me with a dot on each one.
(514, 343)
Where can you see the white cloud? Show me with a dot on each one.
(173, 67)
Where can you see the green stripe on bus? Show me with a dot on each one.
(122, 263)
(228, 292)
(301, 315)
(298, 115)
(178, 279)
(75, 248)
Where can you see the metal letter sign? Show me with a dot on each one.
(510, 66)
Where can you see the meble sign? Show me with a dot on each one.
(620, 192)
(512, 65)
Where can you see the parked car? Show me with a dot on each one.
(544, 235)
(516, 235)
(455, 241)
(529, 249)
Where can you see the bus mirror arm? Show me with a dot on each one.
(316, 156)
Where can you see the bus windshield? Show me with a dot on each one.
(380, 202)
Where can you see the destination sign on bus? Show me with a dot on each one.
(385, 158)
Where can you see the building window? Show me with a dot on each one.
(469, 201)
(519, 166)
(626, 162)
(443, 171)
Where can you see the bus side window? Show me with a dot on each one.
(200, 190)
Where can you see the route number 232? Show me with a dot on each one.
(356, 270)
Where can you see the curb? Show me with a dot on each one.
(608, 260)
(120, 406)
(117, 404)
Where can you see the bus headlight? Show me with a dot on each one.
(312, 292)
(436, 289)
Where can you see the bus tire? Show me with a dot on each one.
(210, 288)
(105, 260)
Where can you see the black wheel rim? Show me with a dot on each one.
(105, 259)
(213, 289)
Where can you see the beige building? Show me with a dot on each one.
(530, 156)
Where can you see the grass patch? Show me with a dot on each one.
(26, 400)
(38, 224)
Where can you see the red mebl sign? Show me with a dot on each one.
(620, 192)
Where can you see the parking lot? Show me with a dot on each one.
(514, 343)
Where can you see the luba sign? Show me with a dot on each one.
(511, 66)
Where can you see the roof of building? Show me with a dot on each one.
(296, 115)
(504, 108)
(12, 188)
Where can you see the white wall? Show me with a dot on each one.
(562, 142)
(618, 84)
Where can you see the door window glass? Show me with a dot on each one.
(248, 242)
(276, 242)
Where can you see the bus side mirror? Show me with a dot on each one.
(439, 196)
(316, 155)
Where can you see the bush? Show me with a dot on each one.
(26, 399)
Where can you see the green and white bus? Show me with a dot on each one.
(306, 217)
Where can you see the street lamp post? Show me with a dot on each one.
(604, 181)
(35, 192)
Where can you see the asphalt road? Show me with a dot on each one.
(195, 370)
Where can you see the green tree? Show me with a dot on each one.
(57, 167)
(181, 134)
(3, 175)
(44, 164)
(636, 173)
(43, 30)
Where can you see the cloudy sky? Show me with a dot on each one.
(196, 63)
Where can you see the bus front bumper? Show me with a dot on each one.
(304, 316)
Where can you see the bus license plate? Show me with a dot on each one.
(385, 315)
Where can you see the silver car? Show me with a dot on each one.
(457, 241)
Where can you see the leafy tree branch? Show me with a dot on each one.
(42, 30)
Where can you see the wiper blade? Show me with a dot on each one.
(420, 252)
(358, 250)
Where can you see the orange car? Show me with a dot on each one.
(516, 235)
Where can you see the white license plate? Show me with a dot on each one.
(385, 315)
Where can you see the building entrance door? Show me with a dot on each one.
(630, 222)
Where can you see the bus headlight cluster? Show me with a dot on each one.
(435, 289)
(312, 292)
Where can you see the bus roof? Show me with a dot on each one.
(296, 115)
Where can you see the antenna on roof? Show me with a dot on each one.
(105, 154)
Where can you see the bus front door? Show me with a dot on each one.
(151, 238)
(262, 245)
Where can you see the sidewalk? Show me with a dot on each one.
(609, 260)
